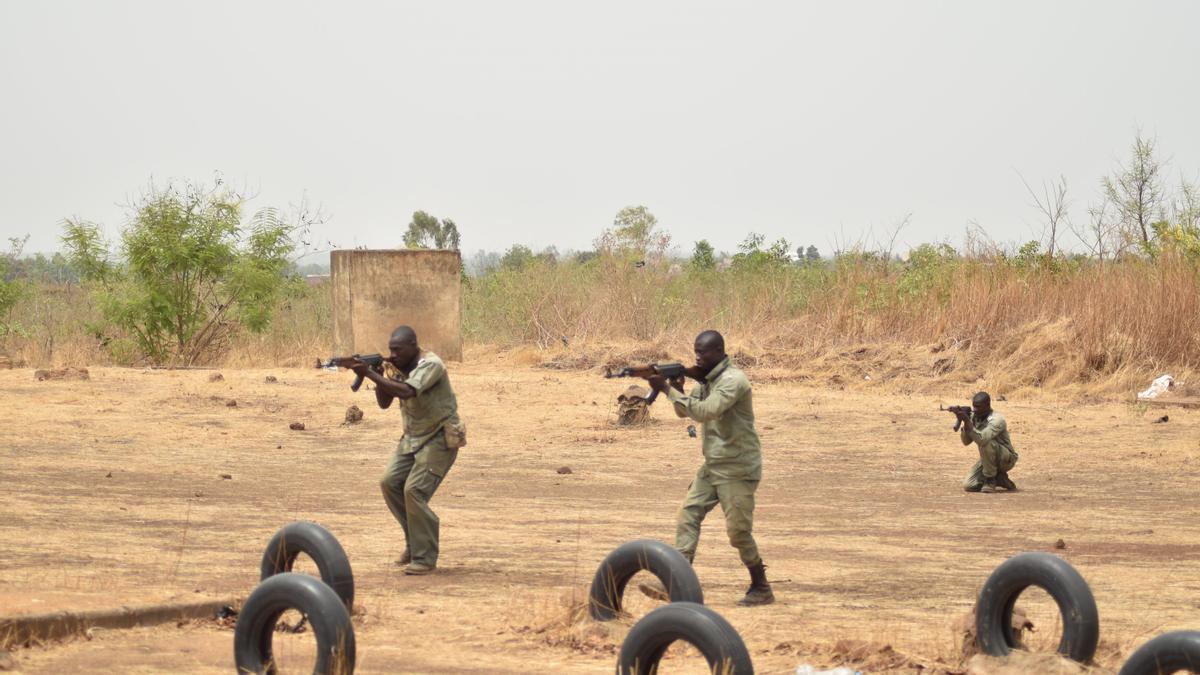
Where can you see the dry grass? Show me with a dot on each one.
(1099, 327)
(1092, 329)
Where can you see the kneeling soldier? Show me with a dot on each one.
(987, 428)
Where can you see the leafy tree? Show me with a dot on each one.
(703, 256)
(812, 254)
(516, 257)
(190, 272)
(929, 270)
(12, 288)
(1180, 237)
(635, 233)
(426, 231)
(753, 256)
(1029, 255)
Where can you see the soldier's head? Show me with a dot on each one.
(981, 404)
(403, 346)
(710, 350)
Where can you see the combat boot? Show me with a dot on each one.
(989, 485)
(1003, 481)
(419, 569)
(759, 592)
(405, 558)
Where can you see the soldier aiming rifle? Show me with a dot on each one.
(985, 427)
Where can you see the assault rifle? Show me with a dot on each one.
(671, 371)
(375, 361)
(961, 412)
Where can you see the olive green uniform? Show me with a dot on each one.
(732, 464)
(432, 435)
(996, 452)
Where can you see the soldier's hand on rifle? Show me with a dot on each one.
(657, 383)
(359, 367)
(678, 383)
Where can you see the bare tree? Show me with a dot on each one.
(1053, 206)
(1185, 206)
(868, 244)
(977, 243)
(891, 243)
(1101, 236)
(1135, 192)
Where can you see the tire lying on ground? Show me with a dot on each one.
(1167, 653)
(615, 571)
(693, 623)
(1080, 619)
(317, 543)
(320, 605)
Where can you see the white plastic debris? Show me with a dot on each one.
(1161, 385)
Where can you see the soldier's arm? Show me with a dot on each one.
(994, 427)
(383, 398)
(963, 434)
(680, 408)
(719, 400)
(387, 386)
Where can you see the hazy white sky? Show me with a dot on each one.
(534, 122)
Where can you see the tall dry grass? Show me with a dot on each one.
(1111, 325)
(1018, 324)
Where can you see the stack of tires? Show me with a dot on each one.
(325, 603)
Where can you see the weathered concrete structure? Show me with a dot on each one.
(375, 291)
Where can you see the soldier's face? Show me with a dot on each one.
(402, 352)
(981, 405)
(707, 356)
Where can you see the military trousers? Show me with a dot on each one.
(737, 503)
(994, 459)
(408, 484)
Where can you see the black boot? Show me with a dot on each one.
(1003, 481)
(759, 592)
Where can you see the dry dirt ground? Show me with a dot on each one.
(111, 493)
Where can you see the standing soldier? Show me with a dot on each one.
(433, 434)
(987, 428)
(732, 464)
